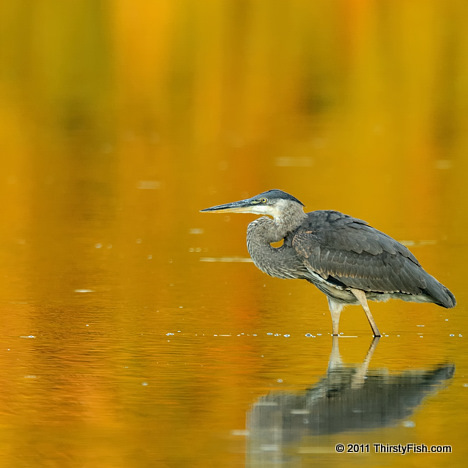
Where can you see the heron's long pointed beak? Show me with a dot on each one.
(241, 206)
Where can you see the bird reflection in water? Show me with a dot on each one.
(347, 398)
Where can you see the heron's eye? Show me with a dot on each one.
(263, 200)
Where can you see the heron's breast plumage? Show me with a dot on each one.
(281, 262)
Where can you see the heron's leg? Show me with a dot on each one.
(335, 362)
(359, 376)
(361, 297)
(335, 310)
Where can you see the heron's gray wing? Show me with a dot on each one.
(348, 252)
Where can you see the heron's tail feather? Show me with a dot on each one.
(441, 295)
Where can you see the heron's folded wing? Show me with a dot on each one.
(348, 251)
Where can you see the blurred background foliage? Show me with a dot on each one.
(361, 96)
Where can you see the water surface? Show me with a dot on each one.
(135, 331)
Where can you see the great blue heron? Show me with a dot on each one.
(344, 257)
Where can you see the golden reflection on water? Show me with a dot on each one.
(128, 338)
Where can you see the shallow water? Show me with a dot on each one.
(135, 330)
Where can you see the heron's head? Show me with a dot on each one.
(274, 203)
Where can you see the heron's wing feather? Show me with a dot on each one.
(348, 251)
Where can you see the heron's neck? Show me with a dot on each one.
(264, 231)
